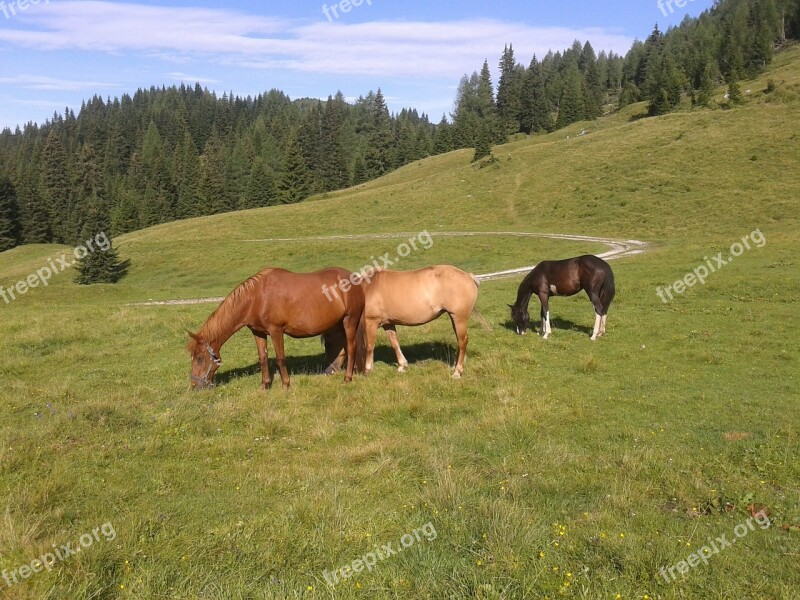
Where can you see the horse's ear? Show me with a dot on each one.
(194, 336)
(510, 305)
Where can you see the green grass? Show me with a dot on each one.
(551, 462)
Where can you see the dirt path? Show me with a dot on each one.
(618, 249)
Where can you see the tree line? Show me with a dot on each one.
(173, 153)
(732, 41)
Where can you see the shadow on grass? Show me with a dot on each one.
(313, 364)
(555, 324)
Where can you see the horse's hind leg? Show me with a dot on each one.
(599, 319)
(335, 341)
(350, 328)
(391, 333)
(263, 360)
(460, 327)
(371, 330)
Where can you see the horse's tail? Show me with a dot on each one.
(607, 290)
(475, 312)
(361, 344)
(481, 319)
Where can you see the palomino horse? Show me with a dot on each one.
(566, 278)
(275, 302)
(415, 298)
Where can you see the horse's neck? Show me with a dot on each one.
(524, 297)
(224, 322)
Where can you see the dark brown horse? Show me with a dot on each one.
(566, 278)
(275, 302)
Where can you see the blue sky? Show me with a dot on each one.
(55, 53)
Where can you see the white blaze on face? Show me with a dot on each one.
(553, 289)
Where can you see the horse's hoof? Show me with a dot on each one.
(456, 375)
(402, 368)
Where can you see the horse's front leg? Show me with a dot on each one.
(544, 299)
(280, 355)
(371, 329)
(263, 360)
(391, 333)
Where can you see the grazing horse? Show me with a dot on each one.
(415, 298)
(275, 302)
(566, 278)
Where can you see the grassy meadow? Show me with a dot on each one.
(554, 469)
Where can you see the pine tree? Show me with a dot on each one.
(509, 93)
(572, 107)
(734, 91)
(213, 195)
(443, 137)
(262, 188)
(294, 184)
(483, 145)
(380, 140)
(535, 115)
(666, 88)
(55, 187)
(98, 264)
(706, 91)
(9, 215)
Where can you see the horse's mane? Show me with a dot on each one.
(220, 323)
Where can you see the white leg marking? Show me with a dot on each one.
(603, 325)
(596, 326)
(546, 324)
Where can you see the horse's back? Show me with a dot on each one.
(306, 304)
(416, 297)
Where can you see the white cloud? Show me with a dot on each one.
(177, 76)
(38, 82)
(426, 50)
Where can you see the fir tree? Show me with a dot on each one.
(666, 88)
(572, 107)
(9, 215)
(294, 184)
(483, 145)
(101, 263)
(55, 187)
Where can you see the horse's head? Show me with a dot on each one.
(205, 362)
(520, 317)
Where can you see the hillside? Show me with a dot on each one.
(558, 468)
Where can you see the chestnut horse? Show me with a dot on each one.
(275, 302)
(566, 278)
(415, 298)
